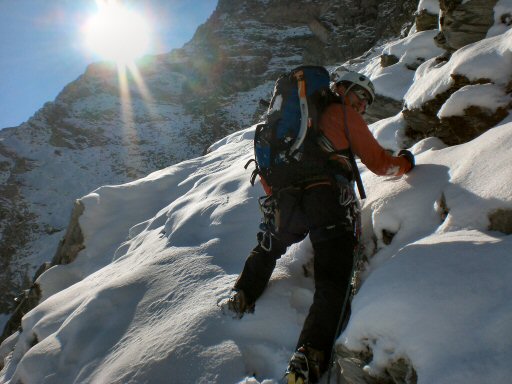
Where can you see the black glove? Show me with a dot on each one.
(408, 155)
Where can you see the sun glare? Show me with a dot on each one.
(116, 33)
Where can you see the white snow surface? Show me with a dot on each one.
(139, 304)
(388, 131)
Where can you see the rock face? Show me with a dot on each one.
(425, 21)
(104, 129)
(464, 22)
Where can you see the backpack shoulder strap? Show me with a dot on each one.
(357, 175)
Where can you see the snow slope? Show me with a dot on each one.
(139, 304)
(162, 251)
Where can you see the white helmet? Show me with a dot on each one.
(341, 74)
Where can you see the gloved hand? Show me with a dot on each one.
(409, 156)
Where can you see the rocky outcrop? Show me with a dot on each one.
(28, 300)
(351, 365)
(73, 241)
(464, 22)
(387, 60)
(424, 122)
(501, 220)
(425, 20)
(476, 120)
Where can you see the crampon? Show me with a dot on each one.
(298, 369)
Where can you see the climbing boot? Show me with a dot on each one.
(316, 363)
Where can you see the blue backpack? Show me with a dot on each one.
(285, 153)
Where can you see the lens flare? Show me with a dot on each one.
(116, 33)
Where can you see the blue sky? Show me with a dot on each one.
(42, 49)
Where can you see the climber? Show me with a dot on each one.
(326, 208)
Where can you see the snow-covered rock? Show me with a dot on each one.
(458, 99)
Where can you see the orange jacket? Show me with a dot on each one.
(363, 143)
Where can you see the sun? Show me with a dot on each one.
(116, 33)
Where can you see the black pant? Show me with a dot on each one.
(317, 211)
